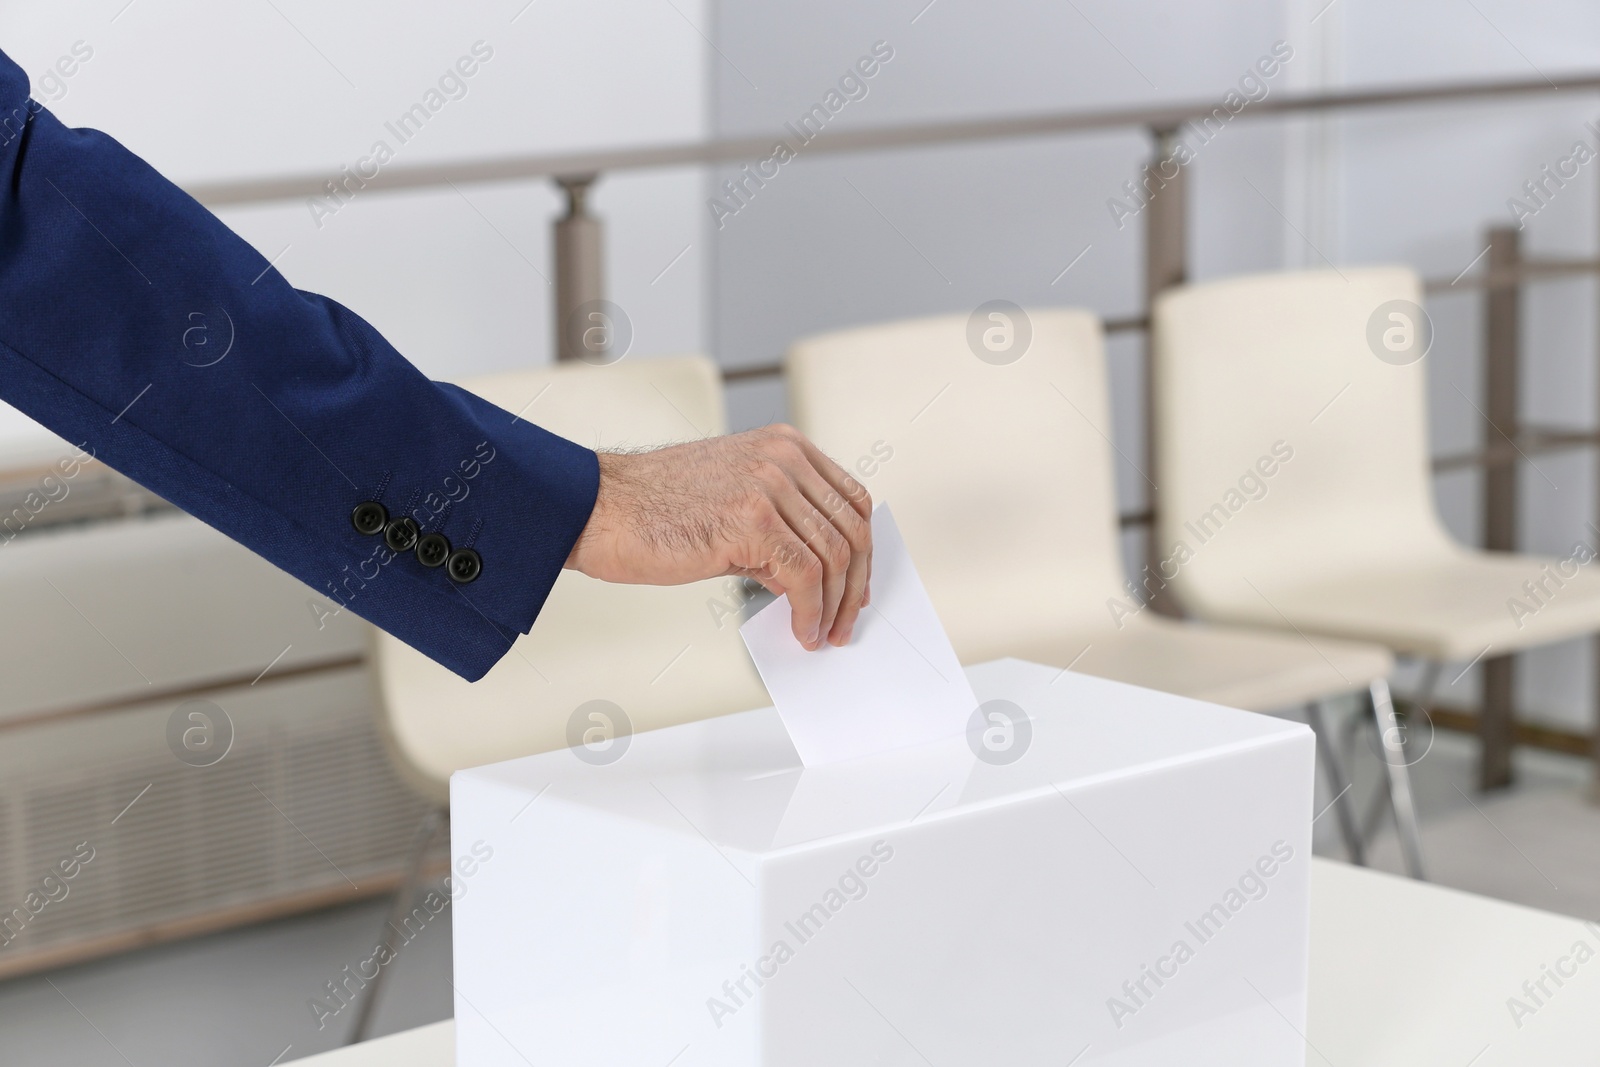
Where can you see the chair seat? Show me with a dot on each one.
(656, 652)
(1447, 608)
(1255, 670)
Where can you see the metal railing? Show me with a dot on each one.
(579, 237)
(579, 270)
(875, 139)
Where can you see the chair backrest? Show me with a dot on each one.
(662, 654)
(1287, 450)
(1000, 476)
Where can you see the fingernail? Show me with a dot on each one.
(811, 641)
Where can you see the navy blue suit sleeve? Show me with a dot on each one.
(110, 279)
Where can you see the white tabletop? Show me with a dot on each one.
(1402, 973)
(1405, 973)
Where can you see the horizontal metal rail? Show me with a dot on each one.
(1526, 271)
(1531, 269)
(1532, 441)
(757, 371)
(872, 139)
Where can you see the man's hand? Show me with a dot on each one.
(765, 503)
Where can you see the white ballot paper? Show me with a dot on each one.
(896, 684)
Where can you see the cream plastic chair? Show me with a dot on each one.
(1346, 541)
(1001, 480)
(662, 654)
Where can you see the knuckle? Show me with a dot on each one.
(784, 441)
(806, 564)
(765, 520)
(752, 509)
(857, 531)
(785, 553)
(838, 551)
(771, 475)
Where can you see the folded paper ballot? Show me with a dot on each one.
(896, 684)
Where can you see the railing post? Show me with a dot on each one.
(1594, 736)
(580, 266)
(1166, 260)
(1501, 386)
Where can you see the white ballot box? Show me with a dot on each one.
(1094, 874)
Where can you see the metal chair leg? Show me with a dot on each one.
(1339, 782)
(1394, 759)
(427, 829)
(1381, 801)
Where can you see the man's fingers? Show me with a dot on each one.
(857, 534)
(798, 572)
(854, 492)
(846, 503)
(827, 544)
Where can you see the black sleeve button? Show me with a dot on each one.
(369, 517)
(433, 549)
(401, 534)
(465, 566)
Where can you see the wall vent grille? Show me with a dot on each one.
(303, 808)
